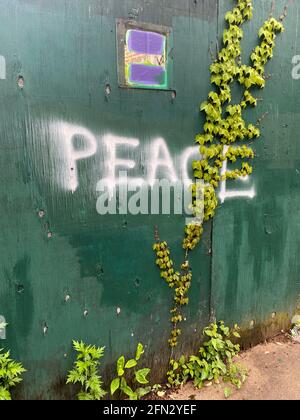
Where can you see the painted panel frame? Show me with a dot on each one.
(145, 59)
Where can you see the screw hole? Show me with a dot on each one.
(41, 214)
(21, 82)
(107, 90)
(20, 288)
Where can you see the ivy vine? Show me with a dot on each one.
(224, 126)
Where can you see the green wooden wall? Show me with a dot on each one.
(68, 273)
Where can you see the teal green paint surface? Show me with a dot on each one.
(66, 52)
(256, 242)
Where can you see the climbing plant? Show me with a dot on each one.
(224, 126)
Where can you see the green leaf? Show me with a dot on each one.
(78, 346)
(182, 360)
(4, 394)
(75, 377)
(227, 393)
(133, 396)
(120, 366)
(85, 396)
(141, 392)
(141, 376)
(139, 351)
(130, 364)
(175, 366)
(126, 389)
(114, 385)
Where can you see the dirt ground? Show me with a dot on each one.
(274, 374)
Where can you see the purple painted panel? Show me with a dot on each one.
(146, 42)
(147, 75)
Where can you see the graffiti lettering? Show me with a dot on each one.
(115, 151)
(296, 68)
